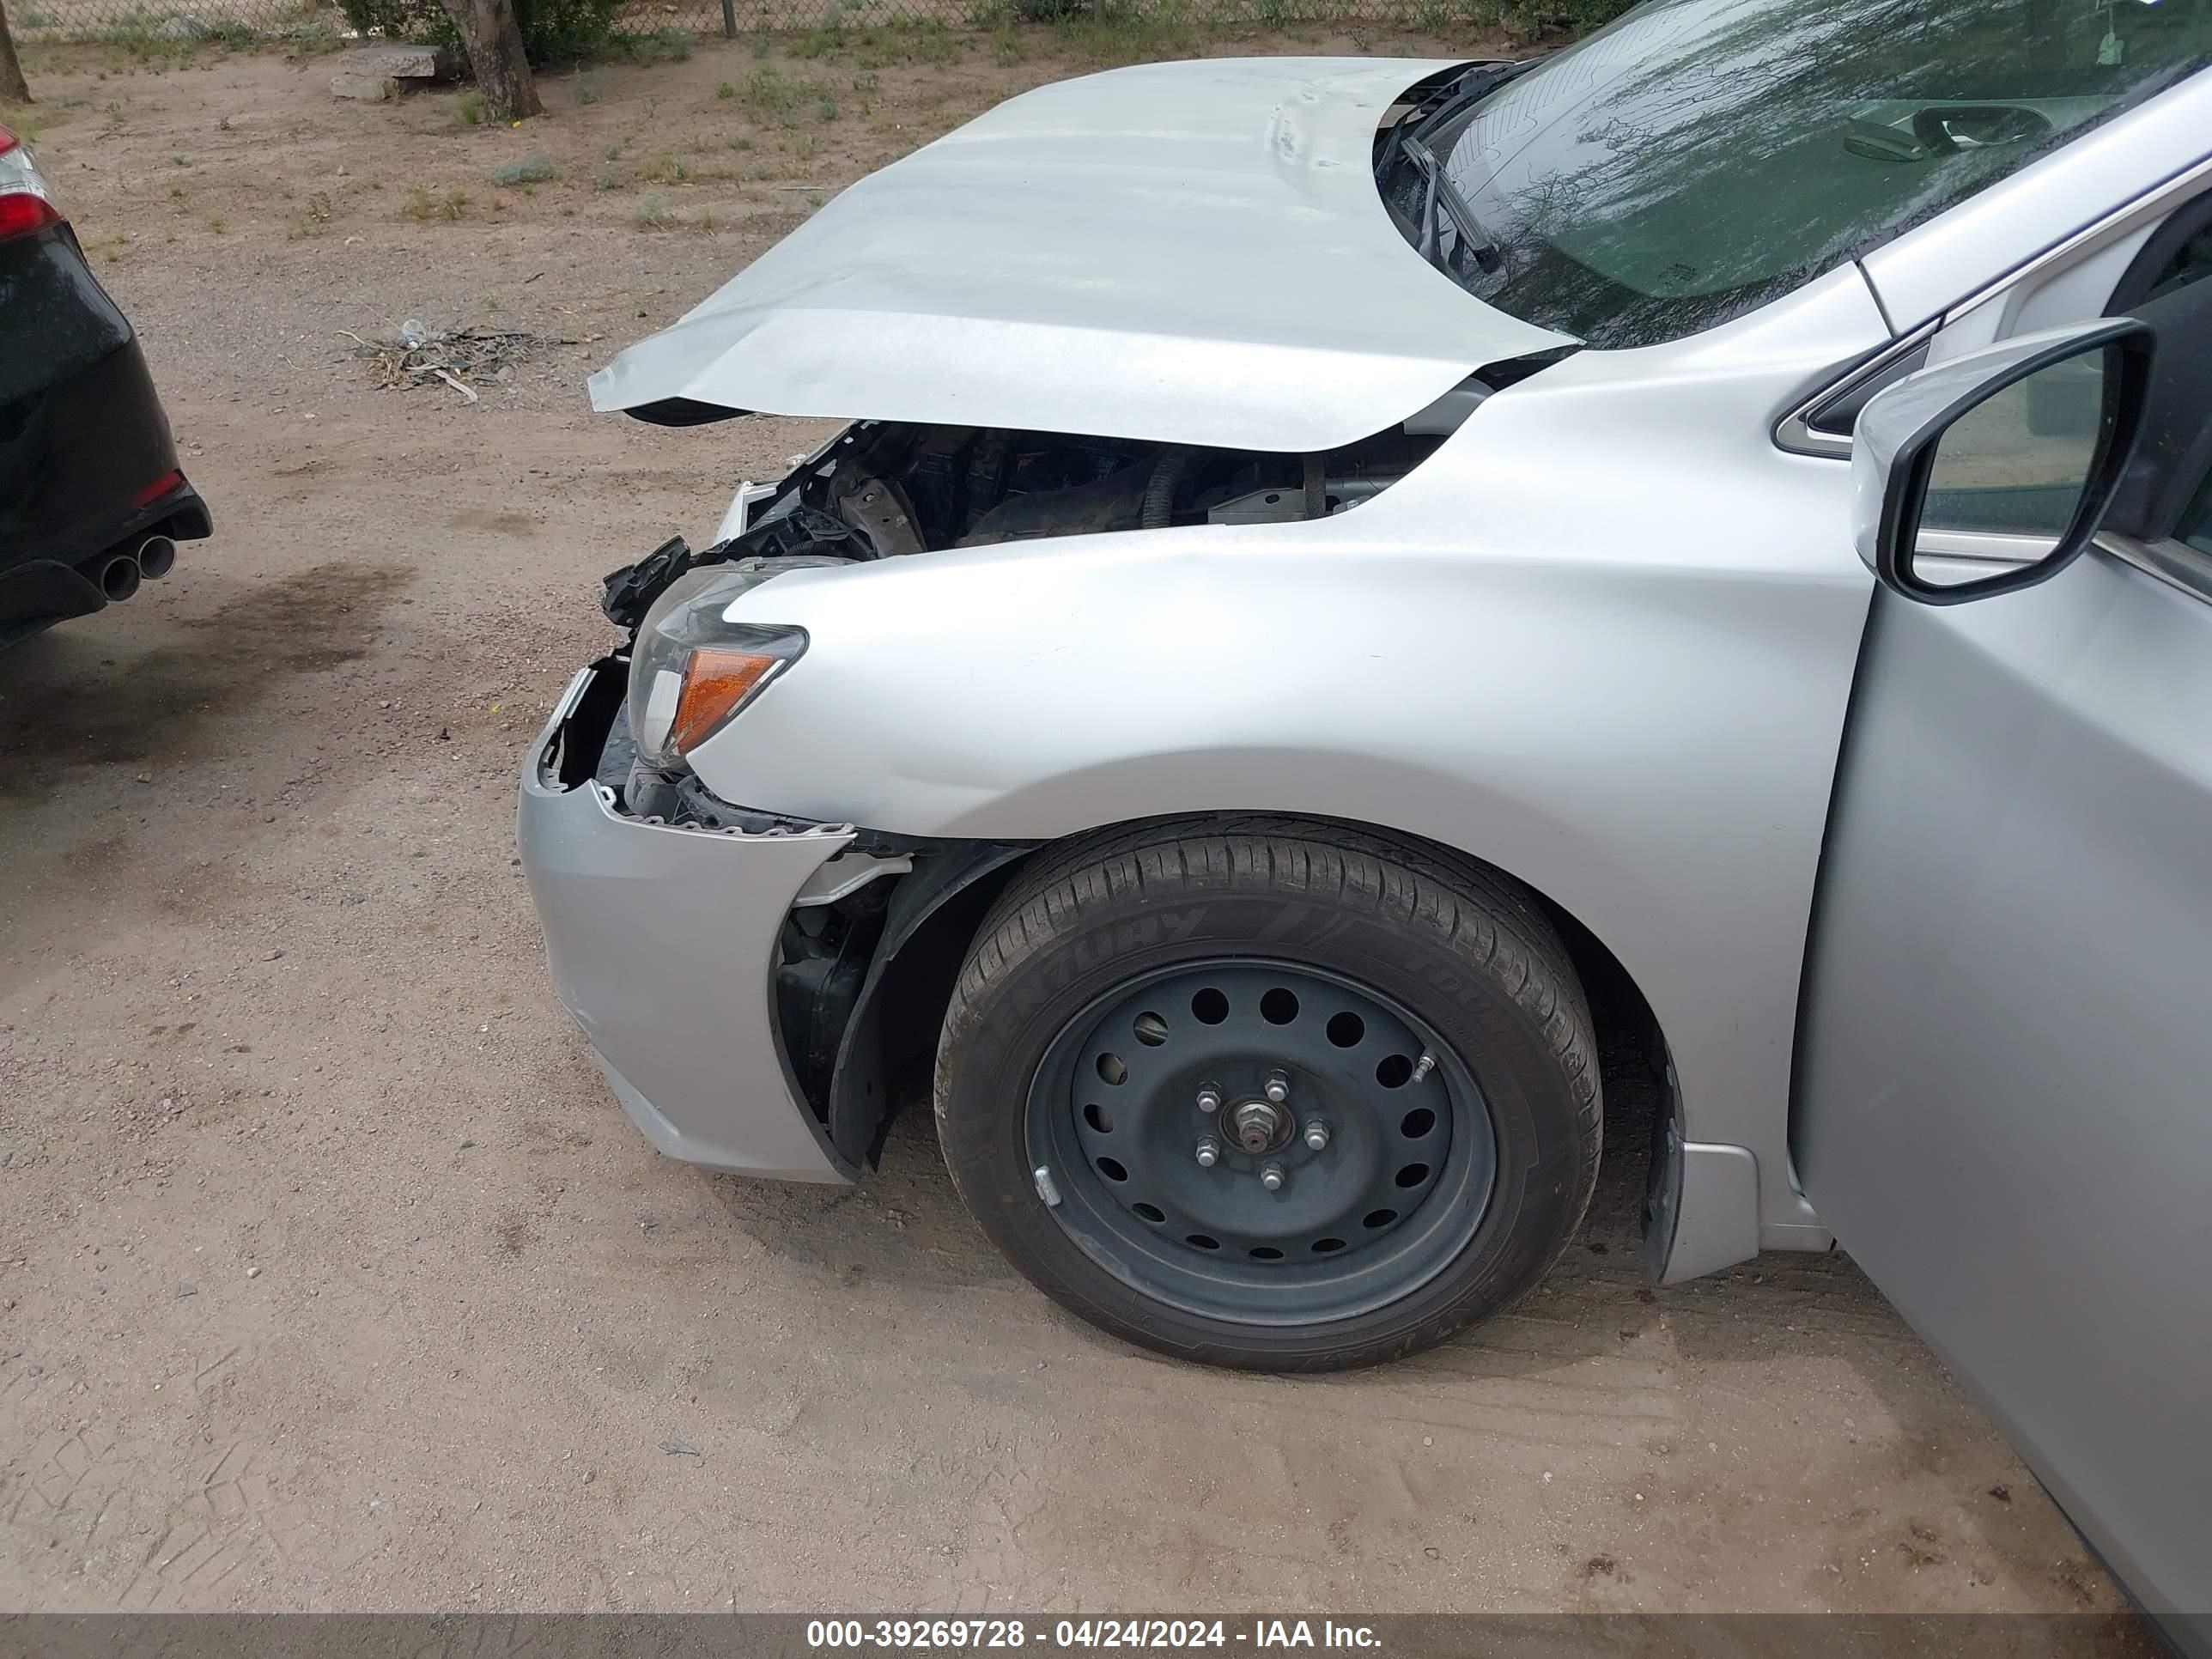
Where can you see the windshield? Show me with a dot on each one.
(1699, 156)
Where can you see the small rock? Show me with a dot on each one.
(679, 1449)
(271, 956)
(183, 1291)
(145, 777)
(253, 1272)
(588, 1477)
(1433, 1552)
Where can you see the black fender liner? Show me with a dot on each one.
(933, 917)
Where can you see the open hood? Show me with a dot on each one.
(1187, 253)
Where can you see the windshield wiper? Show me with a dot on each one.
(1404, 140)
(1443, 193)
(1471, 87)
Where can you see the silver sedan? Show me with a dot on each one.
(1352, 585)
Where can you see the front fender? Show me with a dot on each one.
(1603, 640)
(1652, 748)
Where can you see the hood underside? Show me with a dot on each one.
(1188, 253)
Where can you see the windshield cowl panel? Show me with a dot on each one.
(1699, 157)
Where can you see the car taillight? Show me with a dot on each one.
(171, 480)
(26, 203)
(22, 213)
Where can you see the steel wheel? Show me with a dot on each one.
(1121, 973)
(1260, 1142)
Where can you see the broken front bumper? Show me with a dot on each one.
(663, 944)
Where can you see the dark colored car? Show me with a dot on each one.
(92, 500)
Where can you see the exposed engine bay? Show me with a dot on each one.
(881, 490)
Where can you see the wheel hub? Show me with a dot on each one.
(1260, 1126)
(1262, 1141)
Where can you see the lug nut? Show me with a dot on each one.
(1317, 1134)
(1209, 1098)
(1277, 1089)
(1209, 1152)
(1271, 1176)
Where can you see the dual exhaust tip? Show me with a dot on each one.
(120, 573)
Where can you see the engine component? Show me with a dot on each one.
(1116, 502)
(877, 509)
(1160, 492)
(1282, 506)
(882, 490)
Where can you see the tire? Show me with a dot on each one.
(1406, 944)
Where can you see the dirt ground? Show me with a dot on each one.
(331, 1276)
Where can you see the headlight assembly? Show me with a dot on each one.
(691, 672)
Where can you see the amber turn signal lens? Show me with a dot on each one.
(715, 682)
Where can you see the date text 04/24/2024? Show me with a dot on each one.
(957, 1634)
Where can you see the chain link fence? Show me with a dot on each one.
(242, 22)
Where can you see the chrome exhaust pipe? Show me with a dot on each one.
(157, 556)
(119, 579)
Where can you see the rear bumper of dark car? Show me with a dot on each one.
(88, 468)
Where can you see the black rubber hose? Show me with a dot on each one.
(986, 470)
(1160, 493)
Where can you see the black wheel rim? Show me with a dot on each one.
(1393, 1192)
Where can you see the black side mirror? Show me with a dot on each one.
(2006, 457)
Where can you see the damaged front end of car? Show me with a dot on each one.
(865, 954)
(661, 924)
(1031, 375)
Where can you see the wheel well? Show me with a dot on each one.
(918, 979)
(887, 1059)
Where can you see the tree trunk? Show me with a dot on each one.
(494, 42)
(14, 88)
